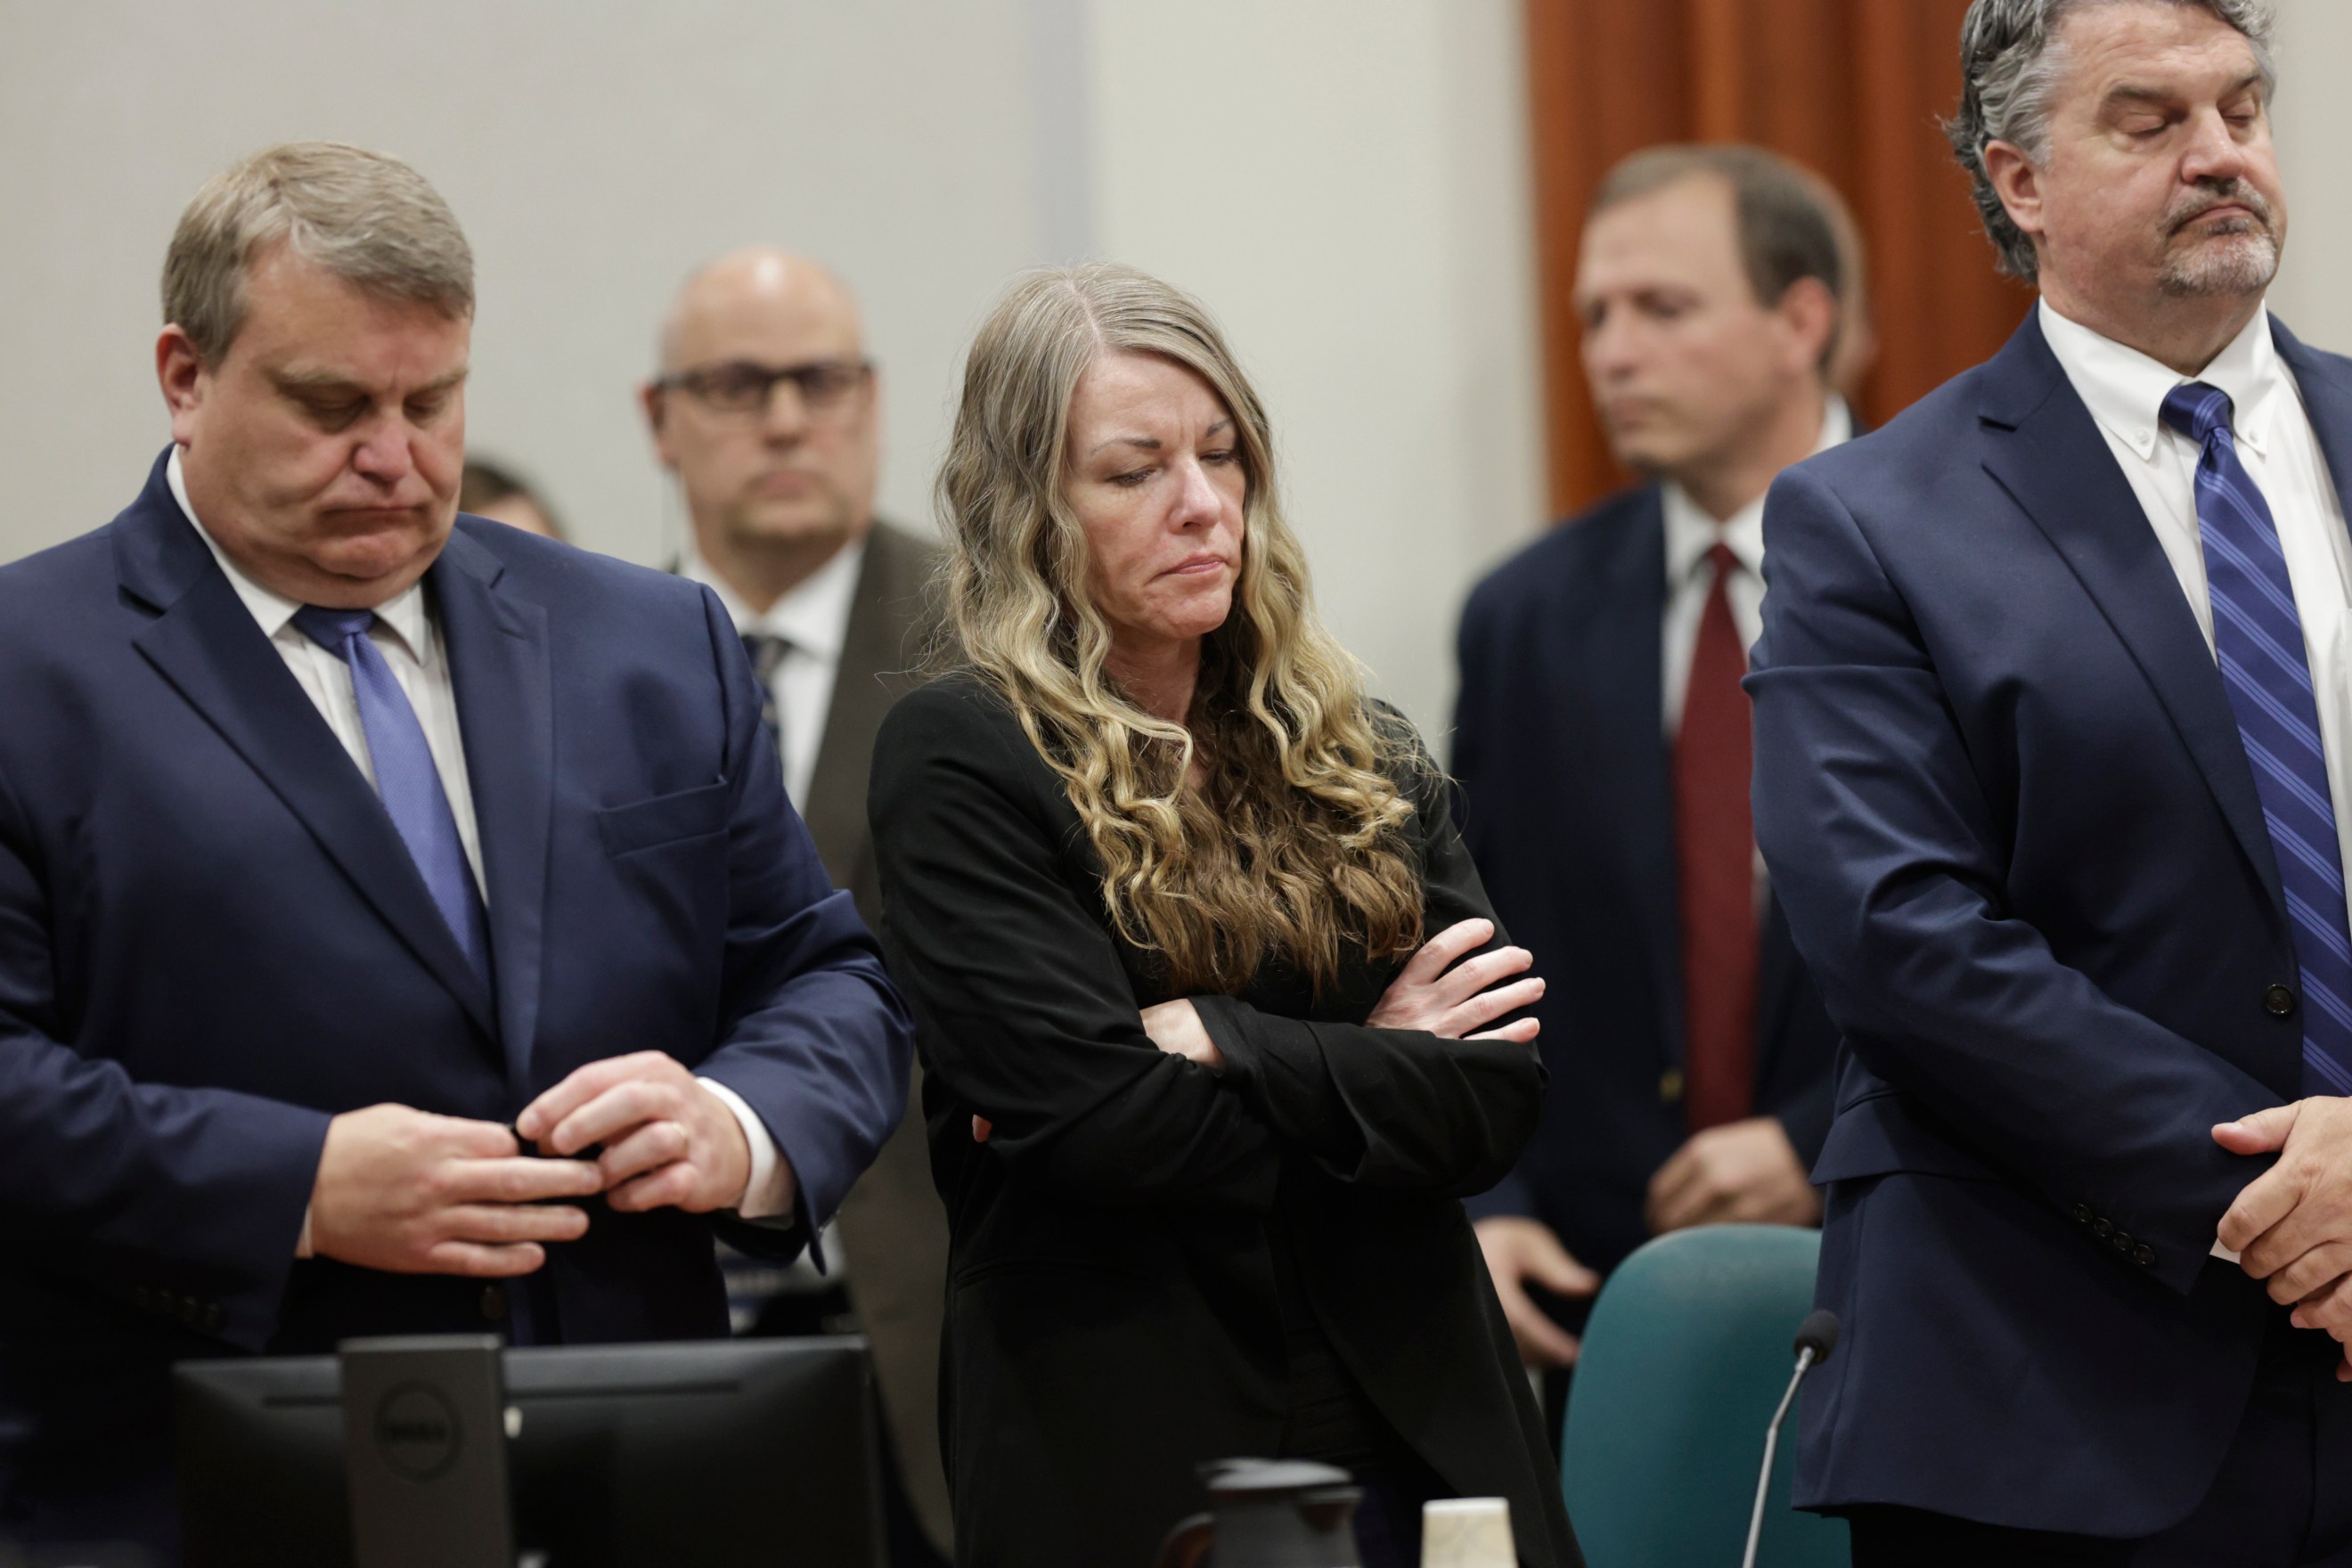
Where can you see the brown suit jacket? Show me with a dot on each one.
(894, 1227)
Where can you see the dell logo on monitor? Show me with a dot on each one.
(416, 1431)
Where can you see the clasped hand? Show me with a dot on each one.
(2291, 1226)
(1431, 992)
(414, 1192)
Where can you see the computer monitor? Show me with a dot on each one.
(710, 1455)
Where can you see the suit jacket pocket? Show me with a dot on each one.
(1882, 1133)
(695, 813)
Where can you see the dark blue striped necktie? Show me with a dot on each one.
(2258, 636)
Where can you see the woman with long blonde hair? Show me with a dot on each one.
(1219, 1026)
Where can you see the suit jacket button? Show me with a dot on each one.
(2122, 1242)
(2144, 1255)
(2082, 1214)
(2102, 1227)
(1670, 1085)
(2278, 1001)
(192, 1312)
(494, 1302)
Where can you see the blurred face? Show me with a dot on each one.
(1154, 473)
(323, 451)
(764, 460)
(1684, 362)
(2159, 179)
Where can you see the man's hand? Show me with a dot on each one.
(414, 1192)
(668, 1141)
(1519, 1250)
(2291, 1226)
(1743, 1172)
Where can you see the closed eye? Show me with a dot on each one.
(333, 413)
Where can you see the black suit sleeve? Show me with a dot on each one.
(1029, 1019)
(1026, 1015)
(1392, 1108)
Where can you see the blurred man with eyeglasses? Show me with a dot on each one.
(766, 408)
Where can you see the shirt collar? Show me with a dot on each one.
(1691, 532)
(2125, 389)
(813, 618)
(404, 615)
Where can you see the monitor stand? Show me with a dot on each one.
(425, 1441)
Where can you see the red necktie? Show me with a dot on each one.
(1715, 840)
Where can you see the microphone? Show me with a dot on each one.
(1816, 1337)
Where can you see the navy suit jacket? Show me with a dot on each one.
(1567, 778)
(2004, 799)
(212, 940)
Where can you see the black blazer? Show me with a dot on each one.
(1112, 1312)
(1566, 775)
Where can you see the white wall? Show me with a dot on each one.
(1347, 186)
(1344, 182)
(595, 150)
(2314, 126)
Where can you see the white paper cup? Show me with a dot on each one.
(1467, 1532)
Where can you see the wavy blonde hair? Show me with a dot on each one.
(1292, 847)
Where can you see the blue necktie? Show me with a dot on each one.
(2258, 637)
(404, 774)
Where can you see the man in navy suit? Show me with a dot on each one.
(339, 848)
(2054, 772)
(1602, 740)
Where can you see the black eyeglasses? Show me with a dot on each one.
(742, 387)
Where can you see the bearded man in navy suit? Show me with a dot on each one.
(343, 843)
(2053, 773)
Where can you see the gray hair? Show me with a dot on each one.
(2010, 66)
(367, 218)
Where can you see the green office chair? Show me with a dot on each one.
(1685, 1360)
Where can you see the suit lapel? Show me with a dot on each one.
(498, 663)
(204, 642)
(2042, 446)
(1631, 747)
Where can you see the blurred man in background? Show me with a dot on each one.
(491, 489)
(1602, 741)
(767, 411)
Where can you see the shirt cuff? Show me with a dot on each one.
(769, 1191)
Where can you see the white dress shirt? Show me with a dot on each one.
(2125, 391)
(409, 636)
(1690, 535)
(812, 620)
(410, 640)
